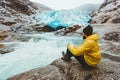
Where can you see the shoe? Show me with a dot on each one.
(65, 57)
(63, 54)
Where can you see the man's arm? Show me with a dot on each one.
(81, 49)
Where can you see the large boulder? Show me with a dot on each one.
(60, 70)
(109, 12)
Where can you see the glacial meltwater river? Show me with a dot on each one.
(39, 51)
(42, 49)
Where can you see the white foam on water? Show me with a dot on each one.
(40, 51)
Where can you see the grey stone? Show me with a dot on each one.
(60, 70)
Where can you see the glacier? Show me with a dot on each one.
(64, 18)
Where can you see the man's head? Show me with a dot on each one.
(87, 31)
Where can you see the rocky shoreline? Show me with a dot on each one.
(109, 67)
(60, 70)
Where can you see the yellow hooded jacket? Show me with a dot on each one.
(89, 49)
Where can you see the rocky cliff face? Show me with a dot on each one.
(109, 12)
(23, 6)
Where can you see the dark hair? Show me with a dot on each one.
(88, 30)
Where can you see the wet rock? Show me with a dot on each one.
(60, 70)
(47, 28)
(73, 30)
(8, 36)
(5, 49)
(17, 37)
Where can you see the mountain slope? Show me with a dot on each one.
(109, 12)
(15, 17)
(23, 6)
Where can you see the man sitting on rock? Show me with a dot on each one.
(88, 53)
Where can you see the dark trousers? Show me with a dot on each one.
(80, 59)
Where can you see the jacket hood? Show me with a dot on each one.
(92, 37)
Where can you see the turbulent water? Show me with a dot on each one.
(42, 49)
(39, 51)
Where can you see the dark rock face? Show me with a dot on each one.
(48, 28)
(60, 70)
(60, 30)
(109, 12)
(21, 6)
(69, 30)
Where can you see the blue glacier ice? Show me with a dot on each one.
(63, 18)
